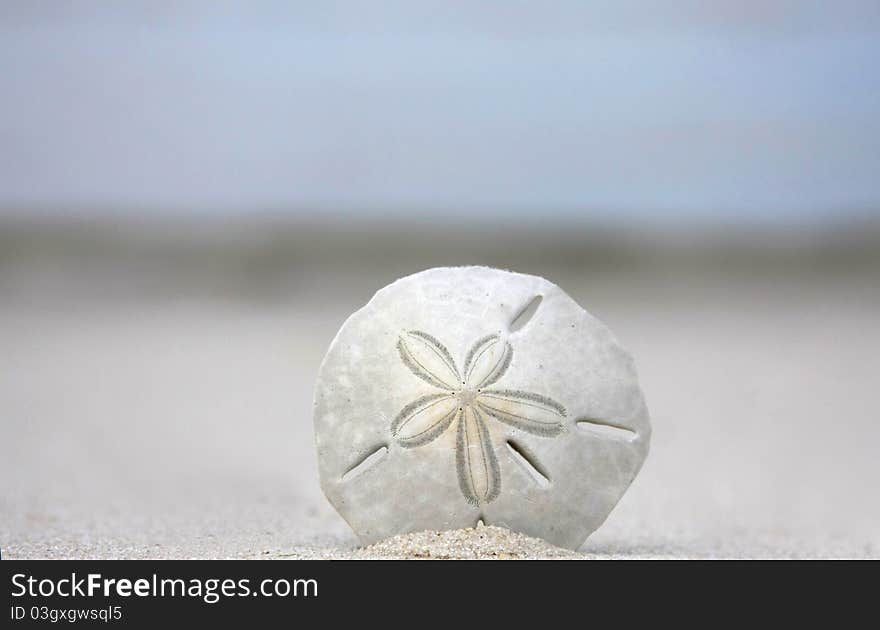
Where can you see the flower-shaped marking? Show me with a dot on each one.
(466, 399)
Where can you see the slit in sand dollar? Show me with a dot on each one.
(365, 464)
(605, 429)
(526, 313)
(525, 459)
(473, 398)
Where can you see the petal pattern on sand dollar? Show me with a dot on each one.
(527, 411)
(466, 401)
(424, 419)
(487, 361)
(428, 359)
(479, 475)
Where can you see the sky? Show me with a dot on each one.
(733, 110)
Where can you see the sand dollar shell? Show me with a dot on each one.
(465, 394)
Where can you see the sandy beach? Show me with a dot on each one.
(177, 424)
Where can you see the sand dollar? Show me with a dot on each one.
(459, 395)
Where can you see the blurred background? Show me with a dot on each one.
(195, 195)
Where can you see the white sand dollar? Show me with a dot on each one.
(464, 394)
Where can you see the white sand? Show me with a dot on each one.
(481, 543)
(177, 429)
